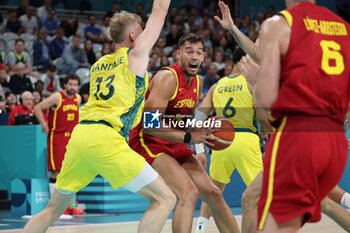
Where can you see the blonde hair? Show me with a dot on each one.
(119, 23)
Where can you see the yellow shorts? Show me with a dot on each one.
(243, 154)
(97, 149)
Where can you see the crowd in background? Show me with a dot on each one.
(46, 49)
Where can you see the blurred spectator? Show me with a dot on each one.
(259, 21)
(173, 58)
(106, 21)
(219, 60)
(13, 24)
(58, 43)
(3, 59)
(205, 66)
(224, 48)
(26, 107)
(11, 101)
(39, 86)
(29, 21)
(50, 23)
(37, 97)
(106, 49)
(91, 56)
(227, 70)
(70, 26)
(207, 40)
(51, 80)
(164, 61)
(73, 57)
(252, 35)
(115, 8)
(43, 11)
(19, 56)
(139, 11)
(4, 84)
(207, 23)
(22, 9)
(19, 82)
(43, 52)
(2, 24)
(153, 65)
(271, 10)
(210, 78)
(92, 32)
(174, 35)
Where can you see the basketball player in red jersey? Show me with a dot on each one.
(174, 90)
(308, 94)
(63, 117)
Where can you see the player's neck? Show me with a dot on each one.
(235, 71)
(188, 79)
(122, 45)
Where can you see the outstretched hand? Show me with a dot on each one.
(249, 69)
(226, 21)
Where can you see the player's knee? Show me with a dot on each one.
(189, 194)
(171, 200)
(213, 193)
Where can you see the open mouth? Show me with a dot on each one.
(193, 66)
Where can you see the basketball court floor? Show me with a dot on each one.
(127, 223)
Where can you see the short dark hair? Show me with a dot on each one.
(237, 55)
(190, 37)
(51, 67)
(19, 40)
(37, 82)
(71, 77)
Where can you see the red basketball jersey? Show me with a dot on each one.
(65, 116)
(185, 96)
(315, 73)
(180, 104)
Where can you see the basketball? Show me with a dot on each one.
(225, 134)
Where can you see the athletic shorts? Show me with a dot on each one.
(151, 147)
(98, 149)
(304, 159)
(243, 154)
(56, 148)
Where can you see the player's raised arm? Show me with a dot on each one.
(244, 42)
(139, 54)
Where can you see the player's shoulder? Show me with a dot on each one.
(164, 75)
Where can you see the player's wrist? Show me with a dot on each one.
(187, 137)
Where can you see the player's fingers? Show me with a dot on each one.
(208, 143)
(211, 137)
(218, 19)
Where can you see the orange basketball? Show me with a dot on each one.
(225, 134)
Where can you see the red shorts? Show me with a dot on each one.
(151, 147)
(304, 159)
(56, 148)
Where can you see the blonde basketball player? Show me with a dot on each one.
(98, 144)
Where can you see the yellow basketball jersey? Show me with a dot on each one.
(116, 94)
(233, 100)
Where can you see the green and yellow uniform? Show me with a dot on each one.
(98, 144)
(233, 100)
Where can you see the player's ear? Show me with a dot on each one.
(178, 54)
(132, 36)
